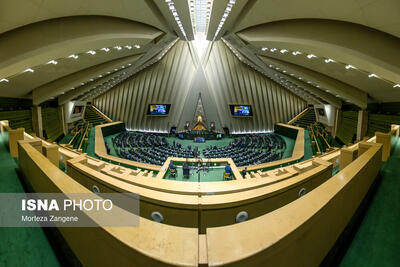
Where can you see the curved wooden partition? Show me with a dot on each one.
(302, 232)
(286, 226)
(149, 244)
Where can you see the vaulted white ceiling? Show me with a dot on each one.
(343, 51)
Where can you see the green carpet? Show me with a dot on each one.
(308, 153)
(377, 241)
(90, 146)
(20, 246)
(289, 146)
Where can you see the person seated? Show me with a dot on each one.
(186, 170)
(244, 171)
(172, 169)
(228, 174)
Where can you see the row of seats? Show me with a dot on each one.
(154, 148)
(250, 149)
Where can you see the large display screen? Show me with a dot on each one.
(158, 109)
(77, 109)
(241, 110)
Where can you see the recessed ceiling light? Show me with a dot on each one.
(118, 47)
(73, 56)
(137, 46)
(105, 49)
(52, 62)
(92, 52)
(273, 49)
(329, 60)
(264, 49)
(311, 56)
(283, 51)
(128, 46)
(29, 70)
(350, 67)
(373, 75)
(295, 53)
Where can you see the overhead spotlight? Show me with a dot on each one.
(311, 56)
(397, 85)
(283, 51)
(350, 67)
(128, 47)
(118, 47)
(329, 60)
(73, 56)
(52, 62)
(29, 70)
(295, 53)
(264, 49)
(105, 49)
(273, 49)
(373, 75)
(4, 80)
(92, 52)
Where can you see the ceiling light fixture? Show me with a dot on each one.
(92, 52)
(295, 53)
(373, 75)
(397, 85)
(117, 47)
(273, 49)
(73, 56)
(105, 49)
(129, 47)
(311, 56)
(227, 11)
(329, 60)
(171, 6)
(283, 51)
(264, 49)
(29, 70)
(4, 80)
(350, 67)
(52, 62)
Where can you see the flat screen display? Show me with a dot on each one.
(241, 110)
(158, 109)
(77, 109)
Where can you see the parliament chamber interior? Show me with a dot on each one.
(222, 132)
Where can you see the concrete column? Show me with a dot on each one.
(338, 118)
(61, 115)
(37, 121)
(14, 136)
(362, 124)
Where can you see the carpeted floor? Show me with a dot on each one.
(377, 241)
(22, 247)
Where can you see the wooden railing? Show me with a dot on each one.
(289, 234)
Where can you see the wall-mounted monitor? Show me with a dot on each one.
(77, 109)
(158, 109)
(241, 110)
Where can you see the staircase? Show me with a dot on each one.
(307, 119)
(93, 117)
